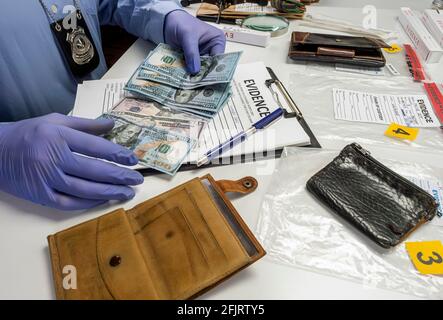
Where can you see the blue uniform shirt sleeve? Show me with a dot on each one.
(142, 18)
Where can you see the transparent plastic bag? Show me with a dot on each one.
(312, 90)
(396, 67)
(297, 230)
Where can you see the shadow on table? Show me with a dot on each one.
(14, 205)
(244, 276)
(49, 270)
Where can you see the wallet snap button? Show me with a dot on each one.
(115, 261)
(247, 184)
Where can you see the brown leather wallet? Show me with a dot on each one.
(361, 51)
(174, 246)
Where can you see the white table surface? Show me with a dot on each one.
(25, 266)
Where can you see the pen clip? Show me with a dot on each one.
(269, 119)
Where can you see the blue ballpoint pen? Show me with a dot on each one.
(240, 137)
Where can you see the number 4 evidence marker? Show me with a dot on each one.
(398, 131)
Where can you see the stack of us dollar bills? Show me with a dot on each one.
(161, 137)
(167, 108)
(162, 77)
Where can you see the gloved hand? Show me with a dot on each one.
(194, 37)
(40, 161)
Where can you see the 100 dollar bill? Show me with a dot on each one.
(169, 63)
(149, 114)
(162, 150)
(157, 148)
(210, 98)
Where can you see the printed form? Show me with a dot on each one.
(409, 110)
(254, 8)
(96, 97)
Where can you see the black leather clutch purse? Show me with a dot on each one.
(383, 205)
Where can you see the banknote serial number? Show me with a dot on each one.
(232, 310)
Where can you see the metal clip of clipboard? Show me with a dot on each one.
(294, 109)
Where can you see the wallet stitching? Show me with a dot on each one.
(221, 214)
(188, 224)
(102, 273)
(140, 228)
(194, 202)
(97, 253)
(149, 270)
(194, 236)
(249, 234)
(154, 199)
(198, 244)
(58, 265)
(197, 241)
(215, 278)
(57, 250)
(210, 281)
(147, 265)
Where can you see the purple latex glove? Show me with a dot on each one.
(194, 37)
(41, 161)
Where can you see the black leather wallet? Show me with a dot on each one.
(360, 51)
(382, 204)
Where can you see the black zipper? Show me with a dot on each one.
(368, 156)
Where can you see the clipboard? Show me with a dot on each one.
(294, 112)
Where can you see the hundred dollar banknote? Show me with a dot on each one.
(162, 150)
(158, 149)
(168, 67)
(210, 98)
(202, 115)
(150, 114)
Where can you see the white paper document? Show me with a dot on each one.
(435, 188)
(359, 70)
(251, 100)
(409, 110)
(254, 8)
(97, 97)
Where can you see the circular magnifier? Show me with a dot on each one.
(276, 25)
